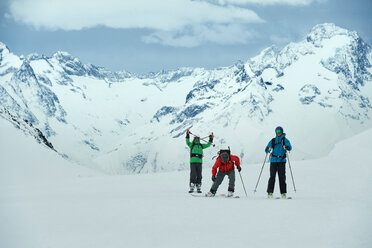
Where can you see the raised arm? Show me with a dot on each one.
(188, 143)
(209, 143)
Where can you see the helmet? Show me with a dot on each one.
(196, 139)
(279, 130)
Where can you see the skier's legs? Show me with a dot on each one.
(193, 173)
(219, 179)
(281, 174)
(271, 184)
(231, 175)
(199, 174)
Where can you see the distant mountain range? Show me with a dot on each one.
(318, 89)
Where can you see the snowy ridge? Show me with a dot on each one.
(26, 127)
(318, 89)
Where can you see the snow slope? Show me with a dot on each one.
(47, 202)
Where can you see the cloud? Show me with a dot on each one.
(164, 15)
(264, 2)
(185, 23)
(197, 35)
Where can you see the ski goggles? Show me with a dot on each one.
(278, 131)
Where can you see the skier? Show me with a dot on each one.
(196, 155)
(279, 146)
(225, 163)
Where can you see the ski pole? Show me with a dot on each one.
(260, 173)
(243, 184)
(194, 134)
(203, 139)
(294, 187)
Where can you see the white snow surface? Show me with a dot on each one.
(45, 201)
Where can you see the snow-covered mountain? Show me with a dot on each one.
(318, 89)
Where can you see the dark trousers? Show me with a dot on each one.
(219, 178)
(195, 173)
(280, 168)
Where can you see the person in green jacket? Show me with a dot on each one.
(196, 160)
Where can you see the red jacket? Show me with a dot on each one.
(224, 167)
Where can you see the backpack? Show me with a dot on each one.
(225, 151)
(273, 145)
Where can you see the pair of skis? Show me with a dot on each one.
(276, 198)
(219, 195)
(235, 196)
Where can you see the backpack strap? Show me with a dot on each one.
(285, 155)
(273, 143)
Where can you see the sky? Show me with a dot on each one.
(148, 36)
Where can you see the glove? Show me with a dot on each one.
(286, 147)
(267, 150)
(213, 178)
(211, 137)
(188, 134)
(239, 168)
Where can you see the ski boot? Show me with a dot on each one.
(198, 188)
(270, 196)
(284, 196)
(192, 187)
(230, 194)
(210, 194)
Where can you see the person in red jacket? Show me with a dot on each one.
(225, 163)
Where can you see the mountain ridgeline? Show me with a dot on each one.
(318, 89)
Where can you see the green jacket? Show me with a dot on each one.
(197, 149)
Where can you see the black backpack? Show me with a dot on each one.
(222, 151)
(273, 144)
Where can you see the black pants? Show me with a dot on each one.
(195, 173)
(280, 168)
(219, 178)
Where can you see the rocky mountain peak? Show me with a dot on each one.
(3, 50)
(324, 31)
(3, 47)
(63, 56)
